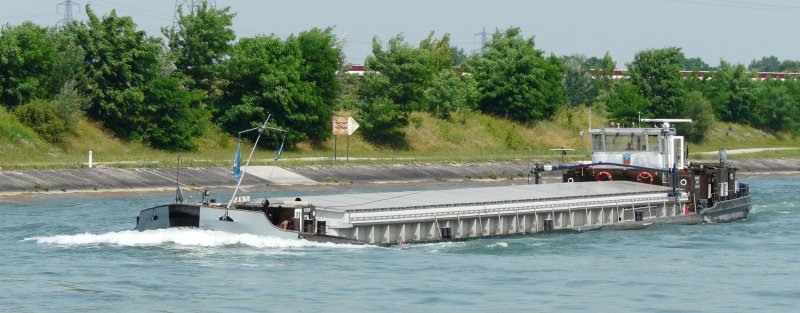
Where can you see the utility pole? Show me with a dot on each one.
(189, 6)
(67, 4)
(483, 34)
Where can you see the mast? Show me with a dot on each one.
(178, 196)
(260, 129)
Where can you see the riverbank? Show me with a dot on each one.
(162, 179)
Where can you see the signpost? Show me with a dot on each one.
(343, 125)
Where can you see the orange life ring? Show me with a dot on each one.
(607, 174)
(645, 175)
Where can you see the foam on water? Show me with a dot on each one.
(189, 237)
(499, 244)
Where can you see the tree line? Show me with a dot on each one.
(165, 94)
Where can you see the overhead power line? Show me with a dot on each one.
(188, 6)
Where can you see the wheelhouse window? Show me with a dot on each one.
(637, 143)
(621, 142)
(652, 143)
(616, 142)
(597, 142)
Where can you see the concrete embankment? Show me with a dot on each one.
(130, 179)
(768, 166)
(115, 179)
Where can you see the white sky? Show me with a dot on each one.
(734, 30)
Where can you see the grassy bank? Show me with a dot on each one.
(470, 137)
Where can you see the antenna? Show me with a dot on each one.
(665, 121)
(67, 4)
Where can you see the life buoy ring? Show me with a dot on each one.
(645, 175)
(570, 180)
(683, 182)
(606, 174)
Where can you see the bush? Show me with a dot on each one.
(44, 118)
(13, 132)
(70, 103)
(383, 122)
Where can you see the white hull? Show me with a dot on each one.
(208, 217)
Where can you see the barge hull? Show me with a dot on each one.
(454, 215)
(728, 210)
(487, 212)
(208, 217)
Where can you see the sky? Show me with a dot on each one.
(736, 31)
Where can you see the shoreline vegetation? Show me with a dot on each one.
(140, 101)
(479, 138)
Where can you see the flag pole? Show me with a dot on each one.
(178, 196)
(225, 217)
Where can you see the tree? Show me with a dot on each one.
(450, 93)
(28, 59)
(790, 66)
(605, 72)
(766, 64)
(625, 105)
(412, 79)
(119, 61)
(578, 83)
(383, 122)
(381, 118)
(656, 75)
(199, 43)
(458, 56)
(699, 109)
(321, 58)
(592, 63)
(164, 122)
(437, 54)
(264, 75)
(126, 84)
(731, 93)
(515, 80)
(400, 65)
(777, 106)
(694, 64)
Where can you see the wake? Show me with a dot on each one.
(187, 237)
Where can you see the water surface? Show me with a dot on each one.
(66, 253)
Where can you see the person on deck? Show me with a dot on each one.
(286, 224)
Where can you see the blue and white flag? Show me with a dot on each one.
(280, 150)
(237, 160)
(179, 195)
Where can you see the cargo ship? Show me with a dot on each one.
(619, 189)
(656, 155)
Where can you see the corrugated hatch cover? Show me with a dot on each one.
(444, 197)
